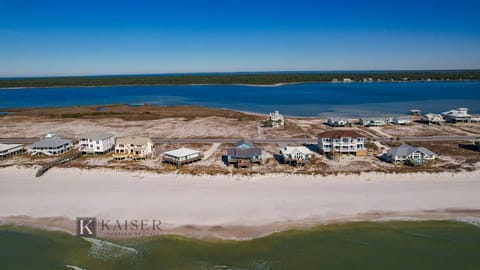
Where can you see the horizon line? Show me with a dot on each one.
(236, 72)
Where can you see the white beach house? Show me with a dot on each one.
(432, 118)
(337, 122)
(275, 120)
(181, 156)
(416, 112)
(406, 154)
(50, 146)
(96, 143)
(9, 150)
(342, 141)
(402, 120)
(459, 115)
(295, 155)
(133, 148)
(373, 122)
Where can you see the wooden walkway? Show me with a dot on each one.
(63, 159)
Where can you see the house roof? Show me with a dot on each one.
(244, 141)
(337, 134)
(406, 150)
(96, 136)
(460, 112)
(432, 116)
(402, 117)
(5, 147)
(372, 119)
(134, 140)
(288, 150)
(336, 119)
(52, 142)
(244, 152)
(181, 152)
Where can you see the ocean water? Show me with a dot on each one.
(366, 245)
(307, 99)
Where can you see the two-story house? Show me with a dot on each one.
(342, 141)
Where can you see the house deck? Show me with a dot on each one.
(295, 162)
(244, 162)
(179, 163)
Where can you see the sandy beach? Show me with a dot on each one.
(232, 206)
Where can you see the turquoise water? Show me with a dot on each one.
(309, 99)
(385, 245)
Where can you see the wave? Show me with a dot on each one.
(475, 221)
(74, 267)
(105, 250)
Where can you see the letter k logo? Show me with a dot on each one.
(86, 226)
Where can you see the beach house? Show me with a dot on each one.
(416, 112)
(9, 150)
(95, 143)
(459, 115)
(50, 146)
(406, 154)
(475, 118)
(133, 148)
(275, 120)
(372, 122)
(432, 118)
(295, 155)
(342, 141)
(402, 120)
(244, 154)
(181, 156)
(338, 122)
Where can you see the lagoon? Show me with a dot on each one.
(305, 99)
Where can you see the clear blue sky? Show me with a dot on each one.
(118, 37)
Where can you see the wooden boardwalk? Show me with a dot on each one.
(63, 159)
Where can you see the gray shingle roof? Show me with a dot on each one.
(244, 141)
(5, 147)
(244, 152)
(96, 136)
(135, 140)
(54, 142)
(406, 150)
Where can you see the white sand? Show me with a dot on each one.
(227, 200)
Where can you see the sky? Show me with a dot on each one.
(62, 38)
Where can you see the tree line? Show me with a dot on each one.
(244, 78)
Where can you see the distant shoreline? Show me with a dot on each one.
(232, 84)
(166, 85)
(250, 79)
